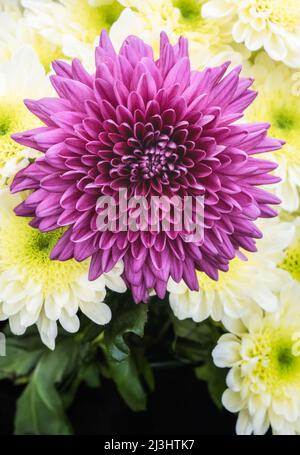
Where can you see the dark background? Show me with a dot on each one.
(180, 405)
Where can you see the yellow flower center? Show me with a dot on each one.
(189, 9)
(282, 109)
(28, 250)
(93, 19)
(190, 22)
(225, 278)
(285, 13)
(278, 364)
(286, 125)
(14, 117)
(291, 261)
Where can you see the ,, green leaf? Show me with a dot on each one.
(22, 355)
(194, 341)
(40, 409)
(216, 381)
(91, 374)
(126, 377)
(126, 318)
(144, 368)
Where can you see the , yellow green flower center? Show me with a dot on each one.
(291, 261)
(190, 19)
(28, 250)
(285, 13)
(4, 126)
(285, 359)
(278, 362)
(225, 278)
(186, 19)
(285, 119)
(14, 117)
(93, 19)
(284, 116)
(189, 9)
(282, 109)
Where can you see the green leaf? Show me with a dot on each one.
(90, 374)
(144, 368)
(126, 378)
(40, 408)
(194, 341)
(216, 381)
(127, 317)
(22, 354)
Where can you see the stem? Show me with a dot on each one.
(98, 339)
(170, 364)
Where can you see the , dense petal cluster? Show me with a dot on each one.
(80, 18)
(12, 7)
(70, 26)
(234, 294)
(270, 24)
(37, 290)
(154, 128)
(263, 354)
(210, 42)
(15, 32)
(10, 35)
(279, 101)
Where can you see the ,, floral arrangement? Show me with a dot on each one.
(97, 126)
